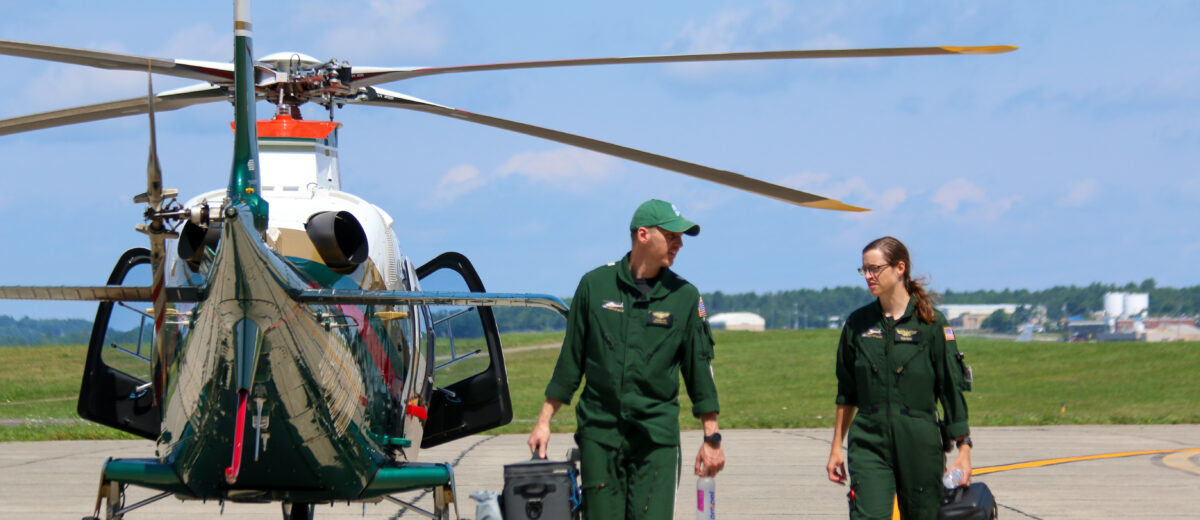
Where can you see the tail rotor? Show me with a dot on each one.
(160, 207)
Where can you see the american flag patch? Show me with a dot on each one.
(700, 309)
(949, 333)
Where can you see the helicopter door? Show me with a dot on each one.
(470, 384)
(116, 391)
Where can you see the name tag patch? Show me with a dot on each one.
(907, 335)
(660, 319)
(613, 306)
(872, 333)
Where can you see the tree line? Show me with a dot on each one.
(799, 308)
(813, 308)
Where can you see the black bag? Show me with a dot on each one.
(542, 489)
(970, 503)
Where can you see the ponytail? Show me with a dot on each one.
(924, 299)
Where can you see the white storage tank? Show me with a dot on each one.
(1114, 304)
(1136, 304)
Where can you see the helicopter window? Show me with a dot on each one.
(130, 332)
(460, 349)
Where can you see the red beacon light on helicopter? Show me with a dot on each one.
(286, 127)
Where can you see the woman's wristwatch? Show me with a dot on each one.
(965, 440)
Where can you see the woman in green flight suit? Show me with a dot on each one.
(896, 360)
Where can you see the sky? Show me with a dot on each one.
(1073, 160)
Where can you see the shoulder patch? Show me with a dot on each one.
(949, 333)
(610, 264)
(700, 309)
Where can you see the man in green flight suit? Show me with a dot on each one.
(633, 328)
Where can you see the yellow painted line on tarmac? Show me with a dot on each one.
(1181, 460)
(1177, 459)
(1050, 462)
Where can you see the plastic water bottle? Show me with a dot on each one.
(487, 505)
(706, 498)
(952, 479)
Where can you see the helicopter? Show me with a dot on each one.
(291, 352)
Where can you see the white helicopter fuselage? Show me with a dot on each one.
(300, 178)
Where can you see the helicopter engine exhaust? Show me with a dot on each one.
(339, 239)
(193, 240)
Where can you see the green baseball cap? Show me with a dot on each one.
(663, 214)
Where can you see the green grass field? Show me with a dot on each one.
(773, 379)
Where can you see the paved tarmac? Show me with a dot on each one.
(770, 474)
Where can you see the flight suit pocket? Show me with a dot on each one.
(966, 376)
(869, 354)
(914, 376)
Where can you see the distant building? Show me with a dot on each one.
(737, 321)
(1173, 332)
(1145, 324)
(954, 310)
(1149, 329)
(971, 315)
(968, 321)
(1086, 330)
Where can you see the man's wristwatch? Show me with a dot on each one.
(967, 441)
(713, 439)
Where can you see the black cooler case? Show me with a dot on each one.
(971, 503)
(541, 489)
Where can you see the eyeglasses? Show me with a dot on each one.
(873, 270)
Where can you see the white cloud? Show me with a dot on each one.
(568, 168)
(719, 34)
(891, 199)
(974, 203)
(458, 181)
(956, 192)
(199, 42)
(1079, 193)
(733, 30)
(854, 190)
(381, 30)
(61, 85)
(827, 41)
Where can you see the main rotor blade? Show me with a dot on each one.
(170, 100)
(202, 70)
(464, 299)
(365, 76)
(379, 97)
(104, 293)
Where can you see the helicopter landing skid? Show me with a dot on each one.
(443, 498)
(111, 498)
(112, 493)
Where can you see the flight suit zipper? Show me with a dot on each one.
(900, 369)
(889, 336)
